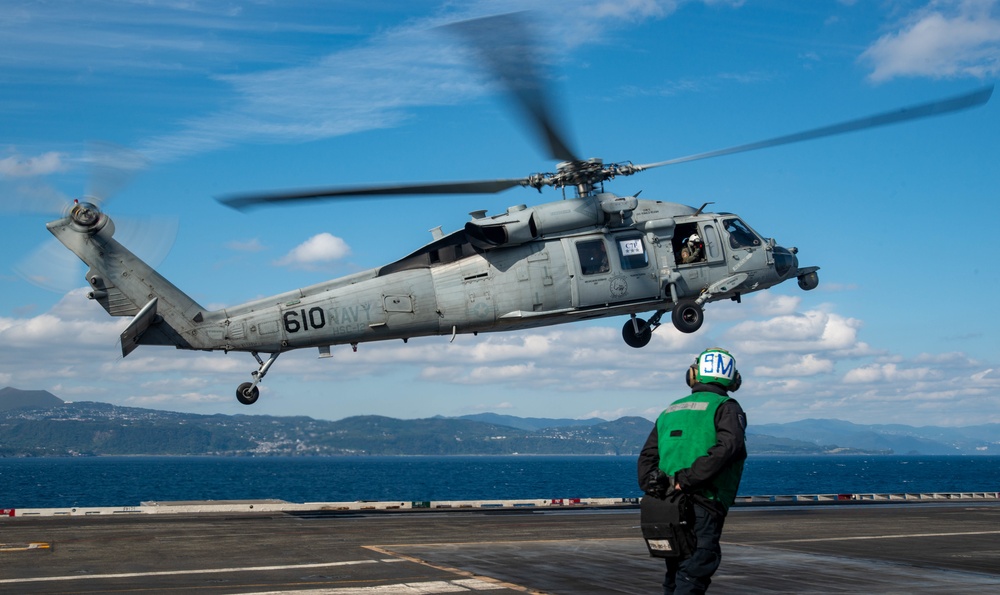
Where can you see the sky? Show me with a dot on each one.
(192, 100)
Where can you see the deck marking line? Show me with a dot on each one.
(868, 537)
(465, 573)
(425, 588)
(35, 545)
(44, 579)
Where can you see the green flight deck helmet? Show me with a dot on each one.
(715, 365)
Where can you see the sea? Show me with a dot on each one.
(131, 481)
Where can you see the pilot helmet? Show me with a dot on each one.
(715, 365)
(694, 239)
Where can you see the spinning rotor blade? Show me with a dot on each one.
(504, 45)
(112, 167)
(923, 110)
(245, 201)
(109, 169)
(51, 266)
(33, 197)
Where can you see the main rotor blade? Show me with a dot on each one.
(504, 44)
(246, 201)
(923, 110)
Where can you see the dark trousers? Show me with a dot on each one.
(691, 576)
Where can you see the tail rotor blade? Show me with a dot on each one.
(112, 167)
(51, 266)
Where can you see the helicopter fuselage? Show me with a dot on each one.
(451, 286)
(590, 257)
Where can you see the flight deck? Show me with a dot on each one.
(575, 547)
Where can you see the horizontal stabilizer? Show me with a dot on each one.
(139, 324)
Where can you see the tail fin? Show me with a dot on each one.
(126, 286)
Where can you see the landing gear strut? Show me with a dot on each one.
(637, 332)
(247, 393)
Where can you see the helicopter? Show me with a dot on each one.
(591, 254)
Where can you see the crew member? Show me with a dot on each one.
(697, 447)
(692, 250)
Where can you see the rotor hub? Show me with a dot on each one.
(86, 217)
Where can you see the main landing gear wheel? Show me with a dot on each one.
(634, 339)
(247, 393)
(687, 316)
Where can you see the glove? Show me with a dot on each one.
(657, 484)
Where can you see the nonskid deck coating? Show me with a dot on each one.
(908, 548)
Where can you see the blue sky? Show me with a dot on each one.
(212, 98)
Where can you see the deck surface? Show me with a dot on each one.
(908, 548)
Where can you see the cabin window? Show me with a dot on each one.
(632, 253)
(712, 244)
(740, 235)
(593, 257)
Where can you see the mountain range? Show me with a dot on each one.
(37, 423)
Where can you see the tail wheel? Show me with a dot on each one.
(640, 339)
(687, 316)
(247, 393)
(809, 281)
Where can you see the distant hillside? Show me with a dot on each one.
(37, 423)
(12, 398)
(530, 423)
(100, 429)
(897, 439)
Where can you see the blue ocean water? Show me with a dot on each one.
(129, 481)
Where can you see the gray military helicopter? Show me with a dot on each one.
(592, 254)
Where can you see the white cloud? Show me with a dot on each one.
(251, 245)
(872, 373)
(377, 84)
(68, 318)
(809, 331)
(775, 305)
(71, 351)
(320, 249)
(17, 166)
(796, 366)
(948, 38)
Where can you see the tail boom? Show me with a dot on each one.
(124, 285)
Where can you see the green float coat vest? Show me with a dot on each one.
(685, 431)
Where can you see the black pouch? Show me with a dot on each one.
(668, 525)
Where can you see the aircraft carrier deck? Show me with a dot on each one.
(946, 544)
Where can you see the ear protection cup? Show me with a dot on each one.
(691, 377)
(737, 381)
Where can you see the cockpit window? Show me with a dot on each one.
(593, 257)
(740, 235)
(632, 253)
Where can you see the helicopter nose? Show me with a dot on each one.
(785, 261)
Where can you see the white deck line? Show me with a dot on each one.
(270, 506)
